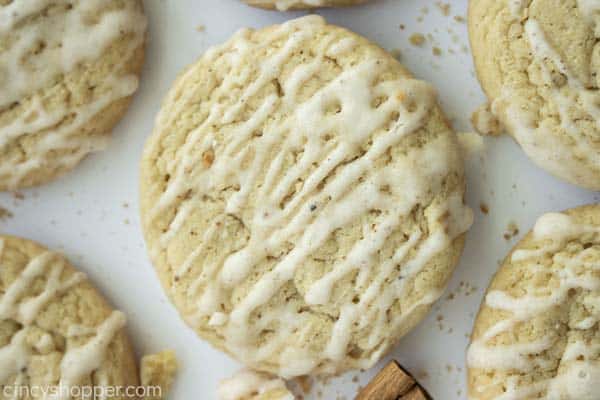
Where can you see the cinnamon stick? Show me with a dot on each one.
(393, 383)
(415, 393)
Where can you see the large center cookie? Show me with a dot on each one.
(302, 198)
(539, 63)
(67, 73)
(57, 334)
(537, 335)
(284, 5)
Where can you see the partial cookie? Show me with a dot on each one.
(67, 73)
(251, 385)
(302, 198)
(285, 5)
(56, 330)
(539, 63)
(537, 334)
(157, 371)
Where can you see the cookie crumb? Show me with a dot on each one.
(444, 8)
(5, 214)
(484, 208)
(512, 230)
(200, 28)
(417, 39)
(436, 51)
(484, 121)
(158, 370)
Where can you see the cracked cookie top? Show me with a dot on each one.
(537, 334)
(302, 198)
(57, 334)
(538, 61)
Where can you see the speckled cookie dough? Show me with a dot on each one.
(537, 335)
(56, 331)
(67, 73)
(285, 5)
(302, 198)
(539, 63)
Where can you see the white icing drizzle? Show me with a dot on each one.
(571, 100)
(352, 192)
(80, 362)
(11, 304)
(15, 304)
(246, 384)
(578, 377)
(38, 53)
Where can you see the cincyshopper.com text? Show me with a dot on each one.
(80, 392)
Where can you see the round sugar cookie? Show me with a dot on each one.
(537, 334)
(302, 198)
(539, 64)
(68, 70)
(284, 5)
(57, 333)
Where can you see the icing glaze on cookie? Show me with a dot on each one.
(573, 99)
(37, 52)
(252, 162)
(578, 375)
(16, 304)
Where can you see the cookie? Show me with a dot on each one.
(539, 64)
(537, 334)
(302, 198)
(68, 70)
(251, 385)
(57, 333)
(285, 5)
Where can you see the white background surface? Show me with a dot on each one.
(92, 213)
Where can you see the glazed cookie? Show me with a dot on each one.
(56, 331)
(67, 73)
(284, 5)
(539, 63)
(251, 385)
(302, 198)
(537, 334)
